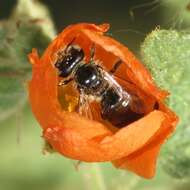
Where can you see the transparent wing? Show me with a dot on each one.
(84, 106)
(114, 84)
(88, 108)
(136, 104)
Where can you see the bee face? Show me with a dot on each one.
(73, 55)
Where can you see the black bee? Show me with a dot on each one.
(96, 84)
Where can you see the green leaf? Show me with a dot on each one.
(167, 54)
(24, 30)
(176, 13)
(12, 93)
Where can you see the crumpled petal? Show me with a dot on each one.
(143, 161)
(86, 145)
(135, 146)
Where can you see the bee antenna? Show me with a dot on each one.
(92, 51)
(70, 43)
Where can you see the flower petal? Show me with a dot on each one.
(87, 140)
(78, 143)
(143, 162)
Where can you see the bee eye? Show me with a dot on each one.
(69, 58)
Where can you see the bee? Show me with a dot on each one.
(94, 83)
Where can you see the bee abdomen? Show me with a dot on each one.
(117, 110)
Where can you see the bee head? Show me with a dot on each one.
(71, 57)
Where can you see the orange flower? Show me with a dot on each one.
(134, 147)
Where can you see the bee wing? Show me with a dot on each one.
(110, 78)
(89, 109)
(84, 106)
(114, 84)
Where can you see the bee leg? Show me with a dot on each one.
(116, 66)
(84, 107)
(77, 164)
(64, 82)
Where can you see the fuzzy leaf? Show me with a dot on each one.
(176, 13)
(167, 54)
(24, 30)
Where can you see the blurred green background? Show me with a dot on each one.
(22, 163)
(130, 20)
